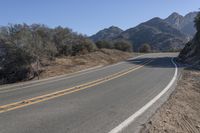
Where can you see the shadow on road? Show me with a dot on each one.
(159, 62)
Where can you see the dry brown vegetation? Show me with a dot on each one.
(23, 47)
(181, 113)
(64, 65)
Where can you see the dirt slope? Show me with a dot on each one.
(64, 65)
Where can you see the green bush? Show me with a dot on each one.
(145, 48)
(104, 44)
(123, 46)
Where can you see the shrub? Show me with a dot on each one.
(145, 48)
(22, 45)
(123, 46)
(104, 44)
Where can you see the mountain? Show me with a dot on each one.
(175, 20)
(107, 34)
(160, 35)
(183, 23)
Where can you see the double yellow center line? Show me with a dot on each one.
(23, 103)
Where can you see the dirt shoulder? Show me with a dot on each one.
(65, 65)
(181, 113)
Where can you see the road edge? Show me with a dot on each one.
(145, 108)
(61, 77)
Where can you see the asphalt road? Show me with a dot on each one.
(97, 108)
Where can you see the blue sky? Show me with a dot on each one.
(90, 16)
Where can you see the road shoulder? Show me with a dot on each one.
(181, 111)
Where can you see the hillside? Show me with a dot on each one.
(65, 65)
(158, 34)
(161, 34)
(191, 52)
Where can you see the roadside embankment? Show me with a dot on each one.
(65, 65)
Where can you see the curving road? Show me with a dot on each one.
(93, 101)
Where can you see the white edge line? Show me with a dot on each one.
(61, 77)
(129, 120)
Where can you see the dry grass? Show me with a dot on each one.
(64, 65)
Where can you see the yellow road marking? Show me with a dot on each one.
(62, 77)
(20, 104)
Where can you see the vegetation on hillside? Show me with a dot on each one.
(23, 47)
(104, 44)
(122, 45)
(191, 52)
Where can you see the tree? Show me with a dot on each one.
(15, 63)
(82, 45)
(145, 48)
(23, 45)
(104, 44)
(62, 37)
(197, 22)
(123, 46)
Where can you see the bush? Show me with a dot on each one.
(15, 63)
(104, 44)
(145, 48)
(123, 46)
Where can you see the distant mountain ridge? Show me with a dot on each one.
(107, 34)
(158, 34)
(183, 23)
(161, 34)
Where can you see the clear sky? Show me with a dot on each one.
(90, 16)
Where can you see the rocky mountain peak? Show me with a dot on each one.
(107, 33)
(175, 19)
(183, 23)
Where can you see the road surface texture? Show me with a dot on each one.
(93, 101)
